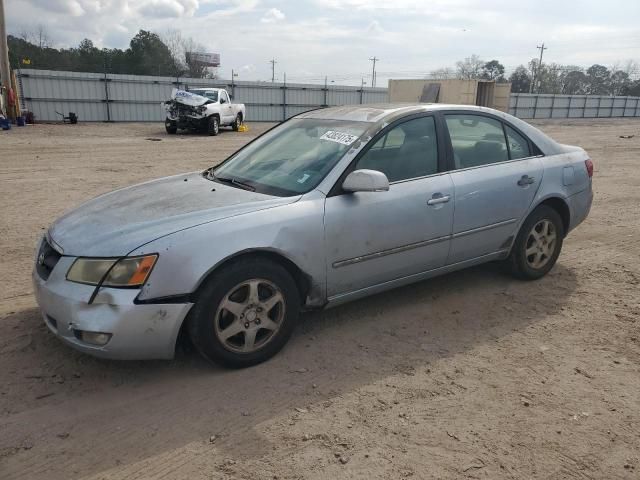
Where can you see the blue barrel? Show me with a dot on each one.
(20, 121)
(5, 124)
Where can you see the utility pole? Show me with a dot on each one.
(536, 74)
(273, 69)
(233, 84)
(373, 72)
(5, 72)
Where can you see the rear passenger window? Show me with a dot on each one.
(409, 150)
(476, 140)
(518, 145)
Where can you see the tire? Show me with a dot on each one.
(237, 123)
(213, 126)
(224, 336)
(537, 245)
(171, 127)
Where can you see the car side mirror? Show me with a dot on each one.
(366, 181)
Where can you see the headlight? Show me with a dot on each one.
(127, 272)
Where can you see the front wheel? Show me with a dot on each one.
(538, 244)
(245, 313)
(171, 127)
(213, 126)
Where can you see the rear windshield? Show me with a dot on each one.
(294, 157)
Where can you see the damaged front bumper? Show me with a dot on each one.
(184, 116)
(134, 331)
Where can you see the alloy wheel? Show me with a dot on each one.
(540, 244)
(249, 315)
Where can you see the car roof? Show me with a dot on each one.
(381, 114)
(377, 112)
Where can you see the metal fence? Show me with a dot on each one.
(524, 105)
(129, 98)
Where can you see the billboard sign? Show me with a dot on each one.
(206, 59)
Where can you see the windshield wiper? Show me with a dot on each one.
(234, 182)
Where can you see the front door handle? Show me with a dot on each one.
(525, 180)
(438, 198)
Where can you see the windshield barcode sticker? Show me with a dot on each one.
(339, 137)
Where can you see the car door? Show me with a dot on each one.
(226, 108)
(375, 237)
(495, 176)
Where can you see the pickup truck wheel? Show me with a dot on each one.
(237, 123)
(170, 127)
(245, 313)
(538, 244)
(213, 127)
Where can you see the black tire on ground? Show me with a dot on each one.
(237, 123)
(171, 127)
(213, 126)
(543, 252)
(208, 317)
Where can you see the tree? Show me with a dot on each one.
(598, 80)
(619, 82)
(148, 55)
(574, 82)
(634, 89)
(442, 74)
(520, 80)
(493, 70)
(469, 68)
(180, 48)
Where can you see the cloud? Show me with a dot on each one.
(273, 15)
(168, 8)
(375, 28)
(71, 7)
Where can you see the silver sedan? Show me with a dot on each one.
(327, 207)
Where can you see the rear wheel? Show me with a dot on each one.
(245, 313)
(236, 125)
(213, 126)
(538, 244)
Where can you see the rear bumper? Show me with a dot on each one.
(138, 332)
(579, 207)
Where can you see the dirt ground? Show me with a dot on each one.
(470, 375)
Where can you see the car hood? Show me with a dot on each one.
(188, 98)
(118, 222)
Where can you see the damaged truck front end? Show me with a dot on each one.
(186, 111)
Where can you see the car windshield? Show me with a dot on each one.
(210, 94)
(292, 158)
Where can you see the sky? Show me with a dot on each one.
(311, 39)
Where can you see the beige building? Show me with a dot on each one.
(484, 93)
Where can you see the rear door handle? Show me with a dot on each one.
(438, 198)
(526, 180)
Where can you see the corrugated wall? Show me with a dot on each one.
(131, 98)
(526, 105)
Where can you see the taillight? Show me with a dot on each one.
(589, 164)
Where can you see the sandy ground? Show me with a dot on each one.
(471, 375)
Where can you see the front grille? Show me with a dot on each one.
(46, 260)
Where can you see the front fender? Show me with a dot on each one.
(294, 231)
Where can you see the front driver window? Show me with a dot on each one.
(409, 150)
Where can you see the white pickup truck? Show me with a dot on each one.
(202, 109)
